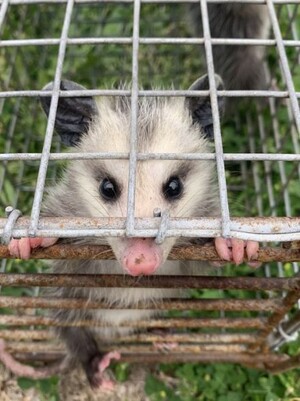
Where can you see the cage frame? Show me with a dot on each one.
(272, 331)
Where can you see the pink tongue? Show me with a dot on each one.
(142, 257)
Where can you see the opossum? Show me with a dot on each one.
(98, 188)
(240, 66)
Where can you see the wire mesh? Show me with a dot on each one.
(149, 44)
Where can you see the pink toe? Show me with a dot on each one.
(25, 248)
(252, 248)
(21, 248)
(13, 248)
(222, 249)
(48, 242)
(35, 242)
(43, 242)
(237, 250)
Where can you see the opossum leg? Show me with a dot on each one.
(21, 248)
(84, 348)
(22, 370)
(100, 379)
(235, 250)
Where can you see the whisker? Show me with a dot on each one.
(106, 251)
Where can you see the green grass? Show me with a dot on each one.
(48, 388)
(223, 382)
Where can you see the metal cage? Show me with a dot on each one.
(103, 42)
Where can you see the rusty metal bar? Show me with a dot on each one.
(206, 338)
(258, 361)
(37, 346)
(42, 335)
(281, 367)
(27, 335)
(209, 338)
(126, 350)
(159, 281)
(262, 305)
(245, 358)
(191, 252)
(236, 323)
(287, 303)
(44, 357)
(180, 348)
(56, 347)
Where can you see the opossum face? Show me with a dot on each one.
(184, 188)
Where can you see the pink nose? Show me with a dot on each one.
(142, 257)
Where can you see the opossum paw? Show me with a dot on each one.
(236, 250)
(105, 361)
(165, 348)
(96, 374)
(21, 248)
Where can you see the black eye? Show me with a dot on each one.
(109, 189)
(173, 188)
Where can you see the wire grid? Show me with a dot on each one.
(259, 178)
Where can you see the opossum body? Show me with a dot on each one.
(98, 188)
(240, 66)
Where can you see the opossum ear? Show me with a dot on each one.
(200, 107)
(73, 115)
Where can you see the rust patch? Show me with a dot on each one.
(190, 252)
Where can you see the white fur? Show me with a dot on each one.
(163, 126)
